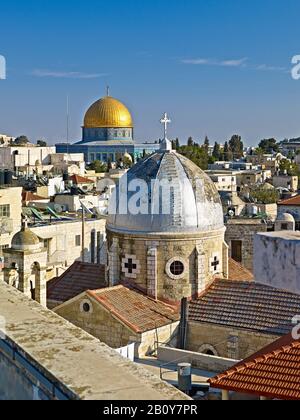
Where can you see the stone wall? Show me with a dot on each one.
(12, 224)
(197, 253)
(244, 230)
(204, 362)
(55, 356)
(224, 341)
(103, 325)
(277, 260)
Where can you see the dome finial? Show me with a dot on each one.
(107, 91)
(166, 145)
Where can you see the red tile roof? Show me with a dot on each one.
(237, 272)
(293, 201)
(77, 179)
(273, 372)
(246, 305)
(79, 278)
(138, 311)
(29, 196)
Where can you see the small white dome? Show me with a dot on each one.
(286, 217)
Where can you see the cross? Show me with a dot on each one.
(215, 263)
(165, 121)
(130, 266)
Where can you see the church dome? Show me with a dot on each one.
(192, 204)
(108, 113)
(25, 240)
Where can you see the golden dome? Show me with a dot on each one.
(108, 113)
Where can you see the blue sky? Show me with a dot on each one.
(218, 67)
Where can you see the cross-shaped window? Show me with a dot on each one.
(215, 264)
(130, 266)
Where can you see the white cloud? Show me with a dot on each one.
(265, 67)
(66, 74)
(234, 63)
(212, 62)
(240, 63)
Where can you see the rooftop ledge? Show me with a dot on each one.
(74, 363)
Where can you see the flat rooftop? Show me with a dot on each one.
(76, 362)
(286, 235)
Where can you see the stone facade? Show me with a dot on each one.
(243, 231)
(225, 342)
(277, 260)
(63, 242)
(26, 271)
(10, 214)
(201, 255)
(104, 325)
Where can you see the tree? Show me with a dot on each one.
(21, 141)
(177, 144)
(98, 167)
(237, 146)
(289, 168)
(42, 143)
(263, 195)
(190, 142)
(206, 144)
(217, 151)
(269, 146)
(227, 152)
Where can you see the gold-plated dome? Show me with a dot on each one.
(108, 113)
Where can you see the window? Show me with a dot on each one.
(92, 157)
(98, 156)
(177, 268)
(86, 307)
(4, 211)
(78, 240)
(284, 226)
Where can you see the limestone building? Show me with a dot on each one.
(10, 216)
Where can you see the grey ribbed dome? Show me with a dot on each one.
(194, 204)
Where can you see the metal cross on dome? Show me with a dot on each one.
(165, 121)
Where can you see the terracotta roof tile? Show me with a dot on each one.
(246, 305)
(273, 372)
(79, 278)
(77, 179)
(29, 196)
(138, 311)
(237, 272)
(293, 201)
